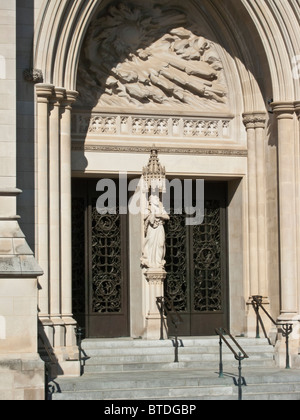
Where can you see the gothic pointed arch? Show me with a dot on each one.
(246, 25)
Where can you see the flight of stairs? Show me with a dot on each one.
(126, 369)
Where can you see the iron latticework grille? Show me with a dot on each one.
(194, 262)
(106, 263)
(207, 261)
(176, 290)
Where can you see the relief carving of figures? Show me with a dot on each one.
(154, 250)
(146, 54)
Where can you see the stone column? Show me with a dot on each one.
(252, 205)
(287, 209)
(43, 92)
(54, 221)
(297, 108)
(54, 236)
(260, 137)
(258, 272)
(66, 222)
(66, 203)
(285, 113)
(255, 124)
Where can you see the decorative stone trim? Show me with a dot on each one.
(155, 276)
(151, 126)
(82, 147)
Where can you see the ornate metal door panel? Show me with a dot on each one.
(106, 281)
(196, 285)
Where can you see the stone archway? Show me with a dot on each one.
(273, 80)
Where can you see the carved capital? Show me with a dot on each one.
(69, 98)
(44, 92)
(57, 97)
(254, 120)
(283, 110)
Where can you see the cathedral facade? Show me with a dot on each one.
(100, 101)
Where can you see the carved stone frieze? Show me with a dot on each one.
(197, 151)
(149, 55)
(150, 126)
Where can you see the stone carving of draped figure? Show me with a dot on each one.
(146, 54)
(154, 250)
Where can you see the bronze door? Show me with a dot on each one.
(100, 266)
(197, 280)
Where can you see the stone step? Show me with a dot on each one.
(200, 385)
(205, 342)
(127, 367)
(115, 382)
(140, 351)
(147, 393)
(268, 388)
(169, 358)
(205, 378)
(124, 355)
(273, 396)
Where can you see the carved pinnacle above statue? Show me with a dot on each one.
(154, 174)
(147, 55)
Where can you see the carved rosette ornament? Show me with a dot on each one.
(150, 55)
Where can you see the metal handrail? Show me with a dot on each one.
(79, 332)
(242, 355)
(52, 361)
(286, 328)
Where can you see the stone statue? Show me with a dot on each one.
(155, 239)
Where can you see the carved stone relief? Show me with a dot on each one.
(141, 55)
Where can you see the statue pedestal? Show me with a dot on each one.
(155, 279)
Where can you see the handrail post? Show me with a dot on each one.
(160, 305)
(256, 302)
(176, 349)
(221, 372)
(79, 335)
(287, 331)
(240, 382)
